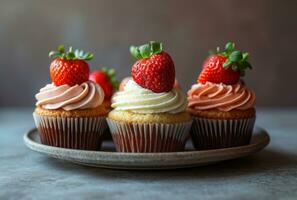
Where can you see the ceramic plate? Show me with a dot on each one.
(108, 158)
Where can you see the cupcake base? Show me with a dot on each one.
(149, 137)
(221, 133)
(71, 132)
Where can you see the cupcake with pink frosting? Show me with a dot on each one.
(70, 112)
(223, 107)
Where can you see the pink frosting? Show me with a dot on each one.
(86, 95)
(221, 97)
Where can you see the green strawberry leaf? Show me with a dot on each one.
(229, 46)
(218, 49)
(61, 48)
(146, 50)
(104, 69)
(53, 54)
(111, 72)
(156, 47)
(245, 56)
(135, 52)
(81, 53)
(71, 54)
(246, 65)
(227, 63)
(115, 83)
(89, 56)
(235, 56)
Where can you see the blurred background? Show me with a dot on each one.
(266, 28)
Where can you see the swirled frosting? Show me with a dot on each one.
(221, 97)
(86, 95)
(140, 100)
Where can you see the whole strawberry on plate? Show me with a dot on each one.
(223, 107)
(149, 113)
(70, 112)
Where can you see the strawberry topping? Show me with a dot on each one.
(224, 66)
(154, 69)
(69, 67)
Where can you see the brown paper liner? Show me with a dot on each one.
(74, 133)
(145, 138)
(215, 133)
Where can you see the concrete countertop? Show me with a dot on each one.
(269, 174)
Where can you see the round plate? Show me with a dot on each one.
(108, 158)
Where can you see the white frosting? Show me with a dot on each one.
(140, 100)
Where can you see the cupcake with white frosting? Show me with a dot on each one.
(149, 114)
(70, 112)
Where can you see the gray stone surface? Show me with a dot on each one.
(270, 174)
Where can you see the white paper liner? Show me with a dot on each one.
(71, 132)
(146, 137)
(215, 133)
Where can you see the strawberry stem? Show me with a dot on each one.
(70, 54)
(237, 60)
(146, 50)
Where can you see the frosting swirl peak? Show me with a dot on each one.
(221, 97)
(86, 95)
(140, 100)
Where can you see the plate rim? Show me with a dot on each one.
(193, 158)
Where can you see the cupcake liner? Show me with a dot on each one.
(216, 133)
(147, 137)
(71, 132)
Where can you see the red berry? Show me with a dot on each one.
(176, 84)
(124, 82)
(70, 72)
(108, 90)
(225, 66)
(213, 71)
(155, 73)
(98, 77)
(102, 79)
(69, 67)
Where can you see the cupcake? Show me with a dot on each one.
(70, 112)
(149, 114)
(222, 105)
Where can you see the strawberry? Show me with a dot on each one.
(124, 82)
(69, 67)
(224, 66)
(106, 79)
(154, 69)
(176, 84)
